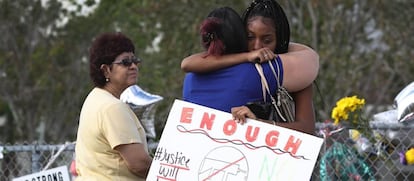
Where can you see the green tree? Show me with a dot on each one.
(38, 71)
(363, 47)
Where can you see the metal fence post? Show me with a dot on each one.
(35, 159)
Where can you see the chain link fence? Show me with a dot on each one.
(344, 157)
(23, 159)
(341, 158)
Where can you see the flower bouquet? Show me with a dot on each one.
(341, 161)
(348, 112)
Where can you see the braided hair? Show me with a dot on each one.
(272, 10)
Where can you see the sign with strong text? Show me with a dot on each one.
(204, 144)
(55, 174)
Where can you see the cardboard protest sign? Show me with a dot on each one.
(55, 174)
(200, 143)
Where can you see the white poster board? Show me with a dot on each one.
(204, 144)
(59, 173)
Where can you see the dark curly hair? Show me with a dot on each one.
(271, 9)
(105, 48)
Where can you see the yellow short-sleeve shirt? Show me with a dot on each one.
(105, 122)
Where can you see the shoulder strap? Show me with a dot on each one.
(262, 80)
(266, 86)
(277, 76)
(279, 71)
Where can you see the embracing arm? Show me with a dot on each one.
(300, 64)
(300, 67)
(137, 159)
(201, 63)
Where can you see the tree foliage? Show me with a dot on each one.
(32, 83)
(364, 49)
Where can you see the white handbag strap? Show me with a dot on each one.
(274, 72)
(279, 86)
(265, 87)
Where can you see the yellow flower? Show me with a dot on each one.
(409, 156)
(345, 107)
(354, 134)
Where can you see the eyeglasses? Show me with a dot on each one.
(128, 62)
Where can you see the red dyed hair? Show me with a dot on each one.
(210, 32)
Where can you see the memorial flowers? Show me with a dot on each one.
(348, 112)
(340, 161)
(349, 109)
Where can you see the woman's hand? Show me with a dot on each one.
(261, 55)
(241, 113)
